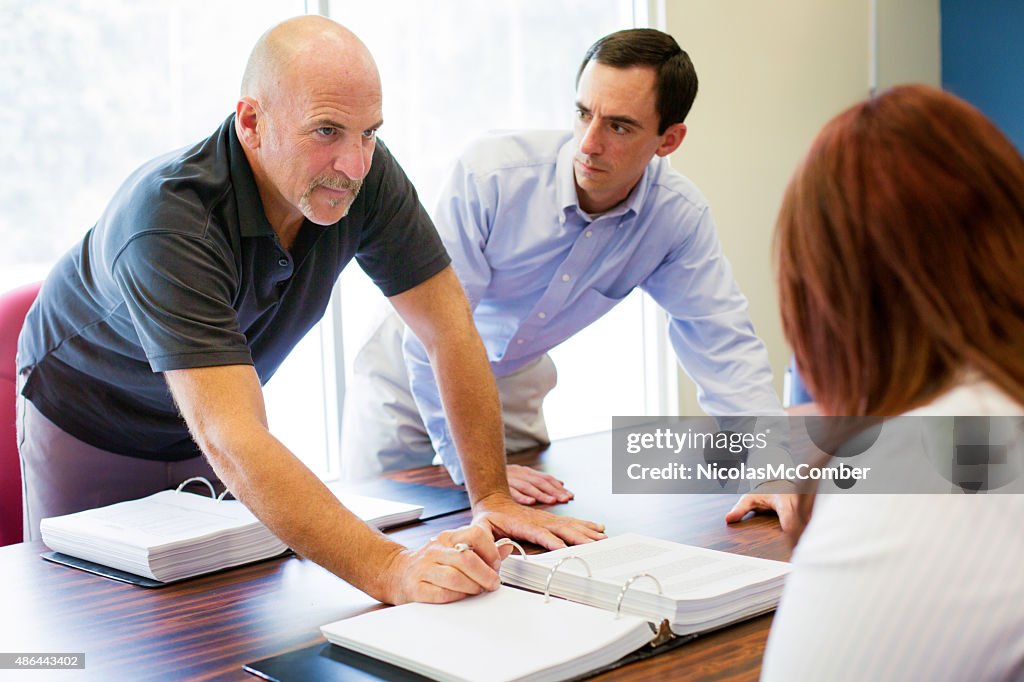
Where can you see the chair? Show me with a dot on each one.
(13, 307)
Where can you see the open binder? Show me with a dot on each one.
(329, 663)
(173, 535)
(628, 597)
(693, 588)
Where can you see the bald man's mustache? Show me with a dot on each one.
(333, 182)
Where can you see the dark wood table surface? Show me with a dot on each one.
(208, 627)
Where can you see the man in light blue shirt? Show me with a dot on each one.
(547, 231)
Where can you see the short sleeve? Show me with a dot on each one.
(178, 291)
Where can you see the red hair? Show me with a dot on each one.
(899, 250)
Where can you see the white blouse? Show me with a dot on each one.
(907, 587)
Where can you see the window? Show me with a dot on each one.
(454, 70)
(96, 89)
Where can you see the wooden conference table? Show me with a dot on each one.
(208, 627)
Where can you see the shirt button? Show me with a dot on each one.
(283, 262)
(542, 315)
(520, 342)
(566, 277)
(588, 234)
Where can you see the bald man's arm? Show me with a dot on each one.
(224, 410)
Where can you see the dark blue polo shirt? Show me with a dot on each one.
(183, 270)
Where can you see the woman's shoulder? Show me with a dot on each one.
(973, 396)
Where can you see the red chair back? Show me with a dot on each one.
(13, 307)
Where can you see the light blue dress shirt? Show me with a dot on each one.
(537, 269)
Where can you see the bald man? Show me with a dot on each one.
(142, 361)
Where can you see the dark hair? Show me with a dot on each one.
(676, 84)
(899, 250)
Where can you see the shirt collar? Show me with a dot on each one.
(565, 178)
(568, 201)
(252, 221)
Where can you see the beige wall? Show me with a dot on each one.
(771, 74)
(909, 45)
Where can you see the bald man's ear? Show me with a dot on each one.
(671, 139)
(247, 115)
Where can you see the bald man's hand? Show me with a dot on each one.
(452, 566)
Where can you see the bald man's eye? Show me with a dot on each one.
(370, 134)
(326, 131)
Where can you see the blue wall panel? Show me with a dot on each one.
(983, 59)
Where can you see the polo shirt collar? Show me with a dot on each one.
(252, 221)
(565, 180)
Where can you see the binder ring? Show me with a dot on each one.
(626, 585)
(220, 498)
(198, 479)
(551, 574)
(509, 541)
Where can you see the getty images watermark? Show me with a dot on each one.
(960, 455)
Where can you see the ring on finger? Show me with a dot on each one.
(461, 547)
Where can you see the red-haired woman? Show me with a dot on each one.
(900, 259)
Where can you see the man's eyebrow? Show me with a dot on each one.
(626, 120)
(331, 123)
(327, 123)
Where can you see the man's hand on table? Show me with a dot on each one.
(506, 518)
(529, 486)
(793, 510)
(453, 565)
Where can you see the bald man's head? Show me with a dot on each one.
(299, 46)
(307, 118)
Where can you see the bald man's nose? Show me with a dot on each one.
(354, 160)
